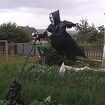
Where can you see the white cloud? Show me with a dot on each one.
(21, 18)
(36, 13)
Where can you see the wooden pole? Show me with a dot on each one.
(12, 48)
(6, 53)
(103, 57)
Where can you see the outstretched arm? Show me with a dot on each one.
(67, 24)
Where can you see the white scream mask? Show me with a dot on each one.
(51, 19)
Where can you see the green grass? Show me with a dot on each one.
(74, 88)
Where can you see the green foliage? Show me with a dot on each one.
(11, 32)
(101, 31)
(52, 57)
(89, 34)
(1, 102)
(46, 101)
(74, 88)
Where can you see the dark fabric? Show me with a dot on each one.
(62, 42)
(56, 17)
(42, 35)
(51, 28)
(66, 46)
(59, 28)
(13, 97)
(66, 24)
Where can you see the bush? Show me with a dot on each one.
(11, 32)
(75, 88)
(51, 56)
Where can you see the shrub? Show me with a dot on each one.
(51, 56)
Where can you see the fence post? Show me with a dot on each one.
(103, 57)
(6, 53)
(23, 48)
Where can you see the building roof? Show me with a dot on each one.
(28, 30)
(41, 31)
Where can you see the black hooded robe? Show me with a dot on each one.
(62, 42)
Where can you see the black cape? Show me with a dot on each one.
(62, 41)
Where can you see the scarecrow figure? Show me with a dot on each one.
(62, 41)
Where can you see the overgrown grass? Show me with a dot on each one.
(73, 88)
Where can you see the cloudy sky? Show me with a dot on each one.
(35, 13)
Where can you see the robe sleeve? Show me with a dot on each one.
(44, 34)
(67, 24)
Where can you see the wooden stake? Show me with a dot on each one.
(6, 53)
(103, 58)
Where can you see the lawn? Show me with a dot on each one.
(74, 88)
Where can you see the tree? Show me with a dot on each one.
(101, 35)
(11, 32)
(87, 33)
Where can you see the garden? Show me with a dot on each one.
(44, 85)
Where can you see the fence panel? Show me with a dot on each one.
(24, 49)
(93, 52)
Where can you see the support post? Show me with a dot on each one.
(6, 53)
(103, 57)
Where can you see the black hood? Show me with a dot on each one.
(56, 17)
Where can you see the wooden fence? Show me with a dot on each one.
(92, 52)
(11, 47)
(24, 49)
(94, 55)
